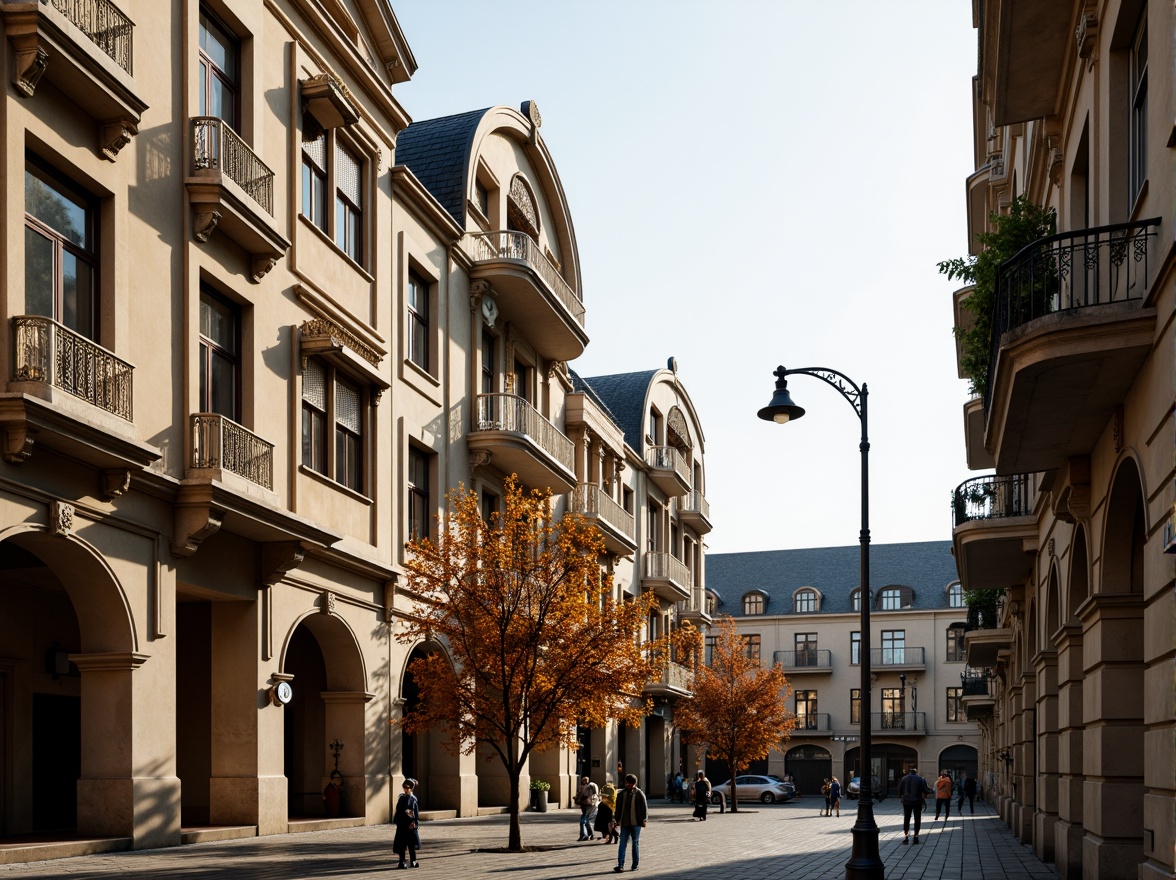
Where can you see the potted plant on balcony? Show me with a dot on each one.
(539, 790)
(983, 607)
(1024, 224)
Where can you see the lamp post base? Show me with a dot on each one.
(865, 862)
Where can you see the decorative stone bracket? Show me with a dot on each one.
(278, 558)
(193, 524)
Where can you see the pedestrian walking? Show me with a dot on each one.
(406, 817)
(632, 814)
(825, 792)
(943, 795)
(835, 795)
(702, 795)
(587, 797)
(604, 812)
(913, 791)
(967, 790)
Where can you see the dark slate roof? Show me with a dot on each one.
(437, 151)
(927, 567)
(624, 395)
(582, 387)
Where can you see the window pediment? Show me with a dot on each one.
(335, 343)
(327, 101)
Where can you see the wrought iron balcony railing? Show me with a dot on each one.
(974, 685)
(896, 657)
(105, 25)
(1070, 270)
(811, 721)
(218, 442)
(668, 458)
(592, 501)
(509, 412)
(215, 145)
(811, 659)
(991, 497)
(46, 351)
(507, 244)
(912, 721)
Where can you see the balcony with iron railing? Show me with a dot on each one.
(804, 661)
(231, 189)
(977, 698)
(899, 723)
(812, 724)
(667, 576)
(898, 658)
(695, 511)
(529, 290)
(992, 521)
(220, 444)
(45, 351)
(1070, 329)
(668, 470)
(615, 523)
(86, 49)
(519, 440)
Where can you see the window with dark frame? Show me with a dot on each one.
(219, 71)
(805, 602)
(1138, 94)
(893, 647)
(751, 646)
(331, 399)
(805, 645)
(855, 648)
(61, 251)
(418, 326)
(709, 649)
(955, 643)
(856, 599)
(855, 706)
(220, 356)
(753, 603)
(418, 493)
(806, 710)
(955, 704)
(348, 203)
(348, 435)
(955, 596)
(891, 599)
(314, 181)
(893, 709)
(314, 416)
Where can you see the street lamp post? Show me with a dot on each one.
(865, 862)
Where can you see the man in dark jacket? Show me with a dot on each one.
(912, 790)
(967, 790)
(632, 812)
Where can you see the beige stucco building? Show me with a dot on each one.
(1074, 108)
(258, 324)
(800, 608)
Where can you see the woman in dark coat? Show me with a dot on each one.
(702, 792)
(405, 819)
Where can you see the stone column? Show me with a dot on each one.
(1046, 815)
(361, 781)
(1068, 831)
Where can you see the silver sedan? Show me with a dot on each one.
(750, 787)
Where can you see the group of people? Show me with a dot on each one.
(619, 816)
(831, 789)
(913, 790)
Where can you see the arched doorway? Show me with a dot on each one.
(956, 760)
(810, 766)
(424, 756)
(323, 658)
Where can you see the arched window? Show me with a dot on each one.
(955, 595)
(855, 599)
(753, 603)
(806, 602)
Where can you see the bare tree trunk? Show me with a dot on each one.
(515, 841)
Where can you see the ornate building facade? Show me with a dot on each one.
(1074, 107)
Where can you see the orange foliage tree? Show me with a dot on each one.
(739, 708)
(535, 640)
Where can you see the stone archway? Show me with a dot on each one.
(810, 766)
(330, 696)
(425, 756)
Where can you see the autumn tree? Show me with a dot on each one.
(738, 711)
(535, 640)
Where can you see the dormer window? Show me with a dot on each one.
(894, 598)
(806, 601)
(955, 595)
(754, 603)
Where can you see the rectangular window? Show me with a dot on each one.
(806, 710)
(61, 253)
(314, 181)
(751, 645)
(893, 647)
(955, 644)
(483, 196)
(890, 600)
(1138, 85)
(955, 704)
(489, 506)
(955, 596)
(805, 602)
(893, 714)
(709, 650)
(418, 325)
(348, 203)
(487, 363)
(653, 539)
(523, 386)
(806, 649)
(330, 399)
(855, 706)
(220, 357)
(855, 648)
(418, 493)
(219, 70)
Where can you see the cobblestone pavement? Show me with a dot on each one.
(759, 843)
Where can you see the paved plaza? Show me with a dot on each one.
(759, 843)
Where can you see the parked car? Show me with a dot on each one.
(765, 789)
(854, 788)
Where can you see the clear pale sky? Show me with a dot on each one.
(754, 183)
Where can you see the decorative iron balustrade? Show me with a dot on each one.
(811, 659)
(592, 501)
(509, 412)
(1070, 270)
(896, 657)
(218, 442)
(911, 721)
(506, 244)
(696, 501)
(105, 25)
(215, 145)
(974, 685)
(46, 351)
(990, 497)
(664, 566)
(670, 459)
(811, 721)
